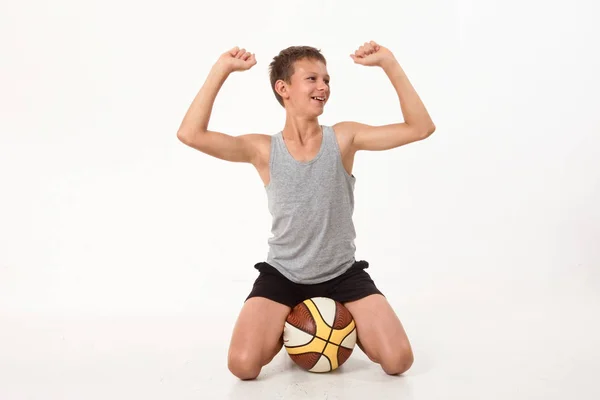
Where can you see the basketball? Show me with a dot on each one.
(319, 334)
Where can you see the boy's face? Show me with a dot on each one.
(309, 89)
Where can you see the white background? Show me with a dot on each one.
(122, 247)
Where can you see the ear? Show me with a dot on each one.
(281, 87)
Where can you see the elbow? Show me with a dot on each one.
(431, 129)
(190, 135)
(183, 136)
(427, 131)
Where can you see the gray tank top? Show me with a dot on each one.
(311, 204)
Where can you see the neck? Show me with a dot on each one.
(298, 129)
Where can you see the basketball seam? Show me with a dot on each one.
(321, 315)
(305, 331)
(330, 333)
(344, 338)
(305, 344)
(300, 329)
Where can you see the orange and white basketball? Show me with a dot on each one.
(319, 334)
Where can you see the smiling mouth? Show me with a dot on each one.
(318, 98)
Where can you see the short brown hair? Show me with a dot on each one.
(282, 66)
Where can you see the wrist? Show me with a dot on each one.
(389, 63)
(221, 70)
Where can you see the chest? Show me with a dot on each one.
(303, 153)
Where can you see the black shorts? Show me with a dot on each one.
(354, 284)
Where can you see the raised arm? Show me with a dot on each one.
(417, 124)
(193, 130)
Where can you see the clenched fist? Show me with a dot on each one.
(236, 59)
(372, 54)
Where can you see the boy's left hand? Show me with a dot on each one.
(372, 54)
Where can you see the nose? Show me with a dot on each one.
(323, 86)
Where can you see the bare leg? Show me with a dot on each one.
(380, 334)
(257, 336)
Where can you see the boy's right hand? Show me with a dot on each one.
(236, 59)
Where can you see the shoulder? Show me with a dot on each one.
(345, 130)
(257, 141)
(260, 145)
(344, 133)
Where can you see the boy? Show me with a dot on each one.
(307, 172)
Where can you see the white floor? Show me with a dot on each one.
(488, 341)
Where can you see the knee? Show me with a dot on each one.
(397, 362)
(244, 365)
